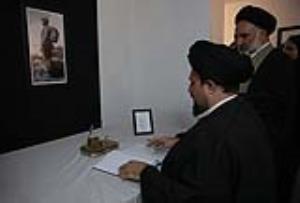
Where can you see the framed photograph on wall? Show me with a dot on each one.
(283, 33)
(142, 121)
(47, 62)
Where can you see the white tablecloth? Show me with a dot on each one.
(56, 172)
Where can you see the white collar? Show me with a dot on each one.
(214, 107)
(259, 49)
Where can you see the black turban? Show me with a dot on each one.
(219, 63)
(257, 16)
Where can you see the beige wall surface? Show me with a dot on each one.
(217, 13)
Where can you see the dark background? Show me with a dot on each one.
(36, 114)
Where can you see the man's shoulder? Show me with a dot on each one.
(276, 54)
(276, 58)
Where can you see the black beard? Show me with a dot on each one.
(198, 109)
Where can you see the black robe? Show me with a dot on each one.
(225, 157)
(296, 145)
(273, 94)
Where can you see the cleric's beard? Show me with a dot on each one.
(244, 49)
(198, 109)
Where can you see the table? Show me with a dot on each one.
(56, 172)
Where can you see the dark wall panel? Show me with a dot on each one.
(35, 114)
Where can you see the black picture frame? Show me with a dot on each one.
(283, 33)
(142, 121)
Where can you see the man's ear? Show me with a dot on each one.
(211, 86)
(263, 34)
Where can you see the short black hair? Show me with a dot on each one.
(45, 20)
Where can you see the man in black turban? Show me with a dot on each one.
(253, 28)
(272, 87)
(225, 156)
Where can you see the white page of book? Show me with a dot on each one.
(116, 158)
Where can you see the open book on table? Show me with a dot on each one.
(111, 162)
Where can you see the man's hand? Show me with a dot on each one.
(132, 170)
(161, 142)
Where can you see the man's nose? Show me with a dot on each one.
(239, 41)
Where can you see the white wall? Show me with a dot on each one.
(143, 46)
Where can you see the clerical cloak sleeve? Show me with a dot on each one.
(199, 173)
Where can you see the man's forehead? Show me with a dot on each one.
(245, 27)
